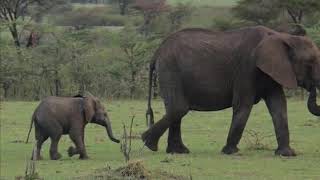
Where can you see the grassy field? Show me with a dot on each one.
(203, 133)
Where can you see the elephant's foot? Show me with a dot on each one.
(37, 158)
(55, 156)
(83, 157)
(149, 142)
(285, 152)
(72, 151)
(177, 148)
(230, 149)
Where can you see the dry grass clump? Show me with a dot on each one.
(135, 169)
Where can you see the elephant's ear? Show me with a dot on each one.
(89, 108)
(272, 57)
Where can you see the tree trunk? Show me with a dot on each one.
(57, 83)
(133, 84)
(15, 36)
(123, 4)
(82, 87)
(57, 87)
(6, 87)
(302, 94)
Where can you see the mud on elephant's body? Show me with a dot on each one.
(209, 71)
(56, 116)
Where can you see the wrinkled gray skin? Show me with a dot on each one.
(202, 70)
(56, 116)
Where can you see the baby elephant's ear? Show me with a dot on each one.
(272, 57)
(89, 108)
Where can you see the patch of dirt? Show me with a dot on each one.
(134, 170)
(167, 160)
(17, 141)
(312, 123)
(135, 136)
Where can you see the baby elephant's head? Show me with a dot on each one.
(95, 113)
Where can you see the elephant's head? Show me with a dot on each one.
(291, 61)
(95, 113)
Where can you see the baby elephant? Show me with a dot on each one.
(56, 116)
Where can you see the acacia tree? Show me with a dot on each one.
(297, 9)
(123, 5)
(149, 9)
(178, 14)
(264, 11)
(11, 11)
(137, 50)
(257, 11)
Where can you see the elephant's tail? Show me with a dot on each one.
(149, 113)
(32, 120)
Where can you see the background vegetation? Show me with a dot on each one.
(66, 47)
(60, 47)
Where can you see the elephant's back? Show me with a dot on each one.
(58, 109)
(205, 64)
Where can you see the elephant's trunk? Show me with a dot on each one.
(312, 102)
(109, 131)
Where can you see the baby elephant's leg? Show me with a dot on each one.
(72, 151)
(54, 154)
(77, 138)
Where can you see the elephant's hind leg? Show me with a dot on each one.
(41, 138)
(242, 106)
(176, 107)
(175, 144)
(54, 154)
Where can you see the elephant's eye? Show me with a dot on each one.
(105, 114)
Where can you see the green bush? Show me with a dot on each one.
(314, 33)
(84, 17)
(227, 23)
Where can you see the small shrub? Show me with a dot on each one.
(84, 17)
(126, 142)
(30, 172)
(224, 23)
(256, 140)
(314, 33)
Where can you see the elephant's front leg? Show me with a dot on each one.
(277, 106)
(73, 150)
(241, 112)
(77, 138)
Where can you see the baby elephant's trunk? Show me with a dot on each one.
(109, 131)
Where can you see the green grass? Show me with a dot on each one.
(204, 134)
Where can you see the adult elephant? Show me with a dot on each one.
(202, 70)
